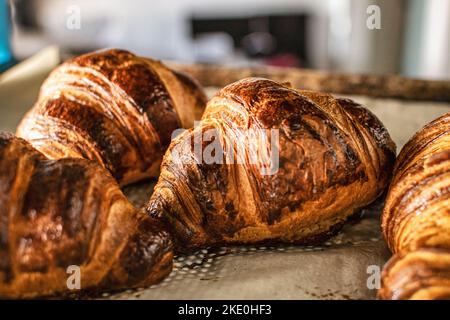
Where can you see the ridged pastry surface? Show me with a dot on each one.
(59, 213)
(416, 217)
(335, 157)
(422, 274)
(416, 209)
(115, 108)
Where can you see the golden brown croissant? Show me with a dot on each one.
(115, 108)
(334, 158)
(55, 214)
(416, 217)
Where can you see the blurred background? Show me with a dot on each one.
(410, 37)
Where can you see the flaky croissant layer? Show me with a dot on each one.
(416, 217)
(332, 157)
(115, 108)
(61, 217)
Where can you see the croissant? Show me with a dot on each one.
(115, 108)
(416, 217)
(332, 157)
(57, 214)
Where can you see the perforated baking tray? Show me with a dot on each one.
(341, 268)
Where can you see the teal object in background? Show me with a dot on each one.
(5, 48)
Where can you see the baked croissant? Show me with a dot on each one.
(334, 157)
(55, 214)
(416, 217)
(115, 108)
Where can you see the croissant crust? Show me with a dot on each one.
(334, 158)
(55, 214)
(115, 108)
(416, 217)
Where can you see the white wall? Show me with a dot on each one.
(434, 61)
(159, 27)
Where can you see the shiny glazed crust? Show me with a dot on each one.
(59, 213)
(416, 217)
(422, 274)
(334, 158)
(115, 108)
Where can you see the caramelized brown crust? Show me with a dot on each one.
(115, 108)
(423, 274)
(334, 158)
(59, 213)
(417, 216)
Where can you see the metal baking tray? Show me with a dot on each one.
(344, 267)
